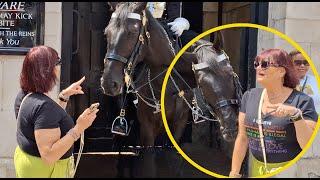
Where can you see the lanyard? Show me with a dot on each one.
(304, 84)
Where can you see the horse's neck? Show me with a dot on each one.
(160, 55)
(159, 51)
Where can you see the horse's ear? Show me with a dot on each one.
(113, 5)
(139, 7)
(218, 41)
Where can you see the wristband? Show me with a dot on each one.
(297, 116)
(63, 98)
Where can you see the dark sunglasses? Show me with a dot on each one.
(59, 62)
(300, 62)
(264, 64)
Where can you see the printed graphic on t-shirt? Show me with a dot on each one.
(279, 133)
(278, 139)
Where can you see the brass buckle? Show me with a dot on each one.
(181, 93)
(127, 79)
(141, 39)
(148, 34)
(194, 101)
(122, 112)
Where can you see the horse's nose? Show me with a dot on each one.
(229, 135)
(114, 86)
(110, 87)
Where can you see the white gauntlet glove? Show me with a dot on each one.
(179, 25)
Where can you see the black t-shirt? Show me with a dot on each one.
(279, 133)
(39, 112)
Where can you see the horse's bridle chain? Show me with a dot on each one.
(153, 96)
(181, 93)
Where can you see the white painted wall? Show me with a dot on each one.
(10, 68)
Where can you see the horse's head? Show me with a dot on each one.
(220, 86)
(125, 36)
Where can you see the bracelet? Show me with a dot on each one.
(73, 134)
(63, 98)
(297, 116)
(234, 175)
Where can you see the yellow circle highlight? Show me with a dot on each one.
(227, 26)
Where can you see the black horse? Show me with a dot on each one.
(219, 86)
(129, 37)
(134, 36)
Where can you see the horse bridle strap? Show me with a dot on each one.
(130, 16)
(200, 66)
(116, 57)
(204, 65)
(222, 57)
(221, 103)
(224, 103)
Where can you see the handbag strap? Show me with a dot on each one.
(24, 98)
(304, 84)
(260, 122)
(79, 153)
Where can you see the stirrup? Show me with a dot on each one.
(120, 125)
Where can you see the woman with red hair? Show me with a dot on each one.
(45, 132)
(275, 121)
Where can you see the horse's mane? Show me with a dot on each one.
(161, 23)
(122, 10)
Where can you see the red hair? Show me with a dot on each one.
(37, 73)
(283, 59)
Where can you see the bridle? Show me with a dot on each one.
(226, 102)
(138, 46)
(131, 62)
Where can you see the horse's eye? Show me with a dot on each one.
(134, 28)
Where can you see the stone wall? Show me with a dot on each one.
(300, 21)
(10, 68)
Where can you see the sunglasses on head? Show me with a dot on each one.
(300, 62)
(59, 62)
(264, 64)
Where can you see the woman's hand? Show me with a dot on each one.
(282, 110)
(86, 119)
(74, 88)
